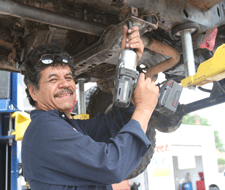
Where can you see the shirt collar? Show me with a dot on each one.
(35, 113)
(42, 113)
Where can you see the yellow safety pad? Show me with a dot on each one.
(211, 70)
(80, 116)
(22, 120)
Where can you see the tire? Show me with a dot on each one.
(166, 124)
(101, 101)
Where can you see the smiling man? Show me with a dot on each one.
(64, 154)
(56, 89)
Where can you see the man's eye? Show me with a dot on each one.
(52, 80)
(69, 78)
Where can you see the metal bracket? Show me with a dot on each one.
(197, 105)
(4, 138)
(108, 46)
(6, 105)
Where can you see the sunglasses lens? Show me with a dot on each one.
(65, 58)
(47, 59)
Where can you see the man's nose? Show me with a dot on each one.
(63, 84)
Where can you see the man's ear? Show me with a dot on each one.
(33, 92)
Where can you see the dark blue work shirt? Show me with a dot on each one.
(65, 154)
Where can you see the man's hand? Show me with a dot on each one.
(145, 99)
(133, 40)
(146, 94)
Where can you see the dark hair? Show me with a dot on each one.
(32, 69)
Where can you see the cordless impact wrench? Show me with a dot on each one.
(126, 76)
(125, 81)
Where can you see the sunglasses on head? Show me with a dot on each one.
(49, 58)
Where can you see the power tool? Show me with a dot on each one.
(126, 76)
(169, 95)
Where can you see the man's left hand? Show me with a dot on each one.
(132, 40)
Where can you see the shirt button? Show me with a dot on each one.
(63, 115)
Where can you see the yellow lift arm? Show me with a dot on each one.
(211, 70)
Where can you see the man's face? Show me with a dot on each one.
(57, 89)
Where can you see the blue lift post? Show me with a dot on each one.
(8, 146)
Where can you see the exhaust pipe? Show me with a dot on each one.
(163, 49)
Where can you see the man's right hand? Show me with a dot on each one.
(145, 99)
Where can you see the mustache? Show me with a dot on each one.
(67, 90)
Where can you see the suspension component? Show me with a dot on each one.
(81, 80)
(185, 32)
(81, 96)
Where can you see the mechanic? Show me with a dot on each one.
(61, 153)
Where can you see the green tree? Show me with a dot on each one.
(191, 120)
(221, 161)
(219, 142)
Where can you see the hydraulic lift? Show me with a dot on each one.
(9, 158)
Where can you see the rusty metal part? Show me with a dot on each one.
(169, 9)
(13, 55)
(203, 4)
(172, 12)
(152, 17)
(81, 9)
(9, 66)
(102, 71)
(53, 36)
(108, 46)
(48, 17)
(6, 44)
(163, 49)
(36, 39)
(106, 85)
(134, 11)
